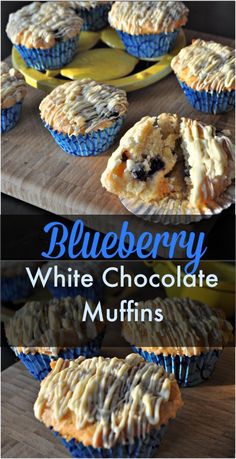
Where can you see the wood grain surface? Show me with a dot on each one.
(37, 171)
(203, 428)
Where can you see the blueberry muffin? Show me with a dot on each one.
(171, 156)
(148, 29)
(84, 117)
(94, 13)
(45, 34)
(206, 73)
(188, 342)
(108, 407)
(44, 331)
(13, 90)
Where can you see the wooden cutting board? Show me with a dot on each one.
(203, 428)
(37, 171)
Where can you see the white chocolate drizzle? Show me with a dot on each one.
(40, 25)
(188, 328)
(45, 326)
(13, 86)
(84, 106)
(147, 17)
(206, 65)
(121, 398)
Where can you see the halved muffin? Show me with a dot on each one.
(170, 156)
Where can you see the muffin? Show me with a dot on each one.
(171, 156)
(93, 13)
(84, 116)
(148, 29)
(206, 73)
(15, 283)
(188, 342)
(65, 268)
(45, 34)
(108, 407)
(44, 331)
(13, 91)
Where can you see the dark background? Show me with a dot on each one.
(216, 17)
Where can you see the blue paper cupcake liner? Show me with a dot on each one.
(38, 365)
(15, 288)
(94, 18)
(63, 292)
(89, 144)
(142, 447)
(209, 102)
(188, 371)
(148, 46)
(10, 116)
(56, 57)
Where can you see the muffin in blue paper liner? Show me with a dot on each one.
(43, 331)
(89, 144)
(94, 14)
(145, 447)
(84, 117)
(209, 101)
(45, 34)
(38, 364)
(109, 407)
(10, 116)
(205, 71)
(187, 342)
(148, 29)
(188, 371)
(56, 57)
(148, 46)
(13, 91)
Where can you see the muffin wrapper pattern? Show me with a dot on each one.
(63, 292)
(94, 18)
(10, 116)
(91, 144)
(39, 364)
(188, 371)
(209, 101)
(148, 46)
(140, 448)
(15, 288)
(48, 59)
(176, 211)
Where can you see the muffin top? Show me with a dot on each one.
(206, 65)
(41, 25)
(102, 401)
(148, 17)
(87, 4)
(189, 328)
(48, 326)
(81, 107)
(13, 86)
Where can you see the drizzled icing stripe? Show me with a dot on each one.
(13, 86)
(83, 106)
(120, 398)
(190, 323)
(40, 25)
(45, 326)
(87, 4)
(206, 65)
(147, 17)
